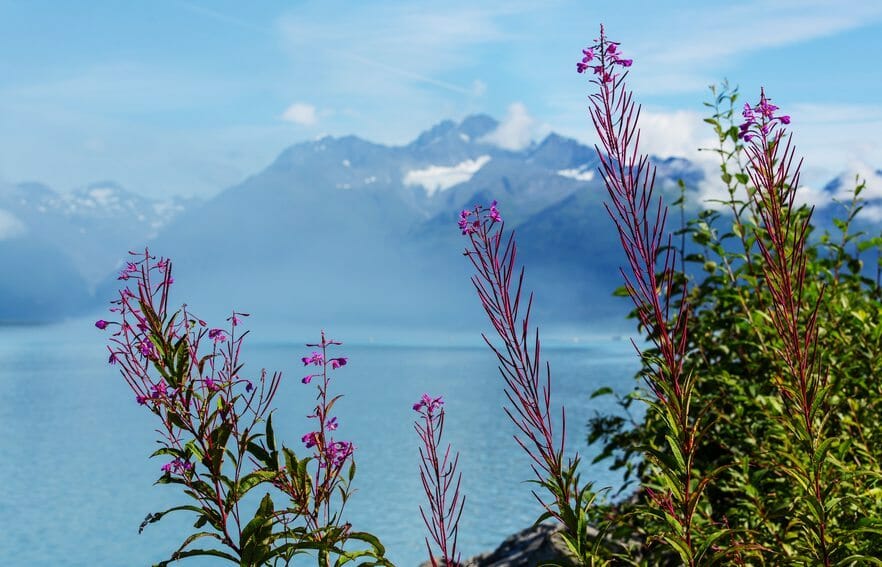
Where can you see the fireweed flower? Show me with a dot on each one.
(438, 473)
(588, 57)
(178, 467)
(190, 425)
(337, 453)
(606, 61)
(465, 225)
(760, 120)
(494, 213)
(310, 439)
(236, 318)
(101, 324)
(330, 453)
(470, 227)
(650, 280)
(217, 335)
(316, 359)
(775, 172)
(147, 349)
(429, 403)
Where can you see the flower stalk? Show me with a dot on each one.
(438, 473)
(651, 281)
(774, 172)
(499, 288)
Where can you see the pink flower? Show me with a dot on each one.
(101, 324)
(338, 451)
(494, 213)
(147, 349)
(431, 404)
(311, 439)
(177, 467)
(316, 359)
(338, 362)
(217, 335)
(307, 379)
(465, 225)
(760, 119)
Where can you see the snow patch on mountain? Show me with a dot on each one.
(437, 178)
(581, 173)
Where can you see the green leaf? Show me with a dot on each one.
(197, 553)
(156, 516)
(194, 450)
(606, 390)
(270, 436)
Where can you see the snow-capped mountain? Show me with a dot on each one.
(56, 247)
(346, 232)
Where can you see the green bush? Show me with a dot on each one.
(734, 352)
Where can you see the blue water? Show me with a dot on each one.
(77, 482)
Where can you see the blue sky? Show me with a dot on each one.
(190, 97)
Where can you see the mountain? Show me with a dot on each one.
(345, 232)
(57, 247)
(349, 234)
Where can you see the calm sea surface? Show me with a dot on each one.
(74, 444)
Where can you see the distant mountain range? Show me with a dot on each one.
(57, 248)
(337, 231)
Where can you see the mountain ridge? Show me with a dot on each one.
(346, 229)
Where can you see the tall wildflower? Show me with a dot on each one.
(330, 454)
(651, 281)
(774, 172)
(189, 374)
(499, 287)
(208, 410)
(438, 474)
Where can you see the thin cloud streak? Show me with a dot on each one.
(405, 73)
(401, 72)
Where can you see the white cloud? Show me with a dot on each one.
(675, 134)
(872, 213)
(301, 113)
(440, 177)
(829, 136)
(10, 226)
(517, 130)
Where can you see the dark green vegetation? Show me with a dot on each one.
(759, 467)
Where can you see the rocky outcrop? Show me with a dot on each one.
(537, 545)
(541, 544)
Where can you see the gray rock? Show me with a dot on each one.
(537, 545)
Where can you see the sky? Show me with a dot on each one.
(189, 97)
